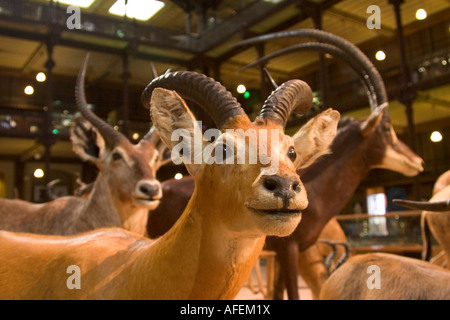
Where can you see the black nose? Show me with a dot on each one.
(285, 188)
(152, 190)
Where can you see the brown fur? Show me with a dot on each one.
(402, 278)
(311, 266)
(358, 147)
(114, 200)
(441, 182)
(438, 224)
(208, 254)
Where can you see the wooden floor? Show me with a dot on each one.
(247, 294)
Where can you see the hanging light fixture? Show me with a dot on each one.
(436, 136)
(380, 55)
(421, 14)
(38, 173)
(29, 90)
(40, 77)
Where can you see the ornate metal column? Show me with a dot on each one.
(407, 93)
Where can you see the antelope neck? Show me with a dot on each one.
(200, 257)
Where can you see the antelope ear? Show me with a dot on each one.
(314, 138)
(368, 126)
(87, 142)
(177, 128)
(164, 154)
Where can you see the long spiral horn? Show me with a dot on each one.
(330, 49)
(291, 96)
(111, 136)
(348, 47)
(441, 206)
(209, 94)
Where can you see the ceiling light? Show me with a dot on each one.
(421, 14)
(29, 90)
(135, 136)
(380, 55)
(436, 136)
(241, 88)
(38, 173)
(178, 176)
(33, 128)
(78, 3)
(40, 77)
(138, 9)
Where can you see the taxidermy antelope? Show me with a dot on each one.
(331, 181)
(435, 218)
(316, 263)
(358, 147)
(123, 192)
(383, 276)
(210, 251)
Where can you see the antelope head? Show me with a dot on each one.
(384, 150)
(381, 141)
(262, 197)
(128, 169)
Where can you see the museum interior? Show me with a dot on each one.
(130, 43)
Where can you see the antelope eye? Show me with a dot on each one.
(292, 154)
(116, 156)
(222, 152)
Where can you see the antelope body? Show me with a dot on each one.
(435, 217)
(358, 147)
(124, 190)
(400, 278)
(210, 251)
(361, 146)
(311, 262)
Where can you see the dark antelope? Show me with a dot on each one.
(210, 251)
(123, 192)
(358, 147)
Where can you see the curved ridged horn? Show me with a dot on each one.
(209, 94)
(292, 96)
(339, 42)
(111, 136)
(443, 205)
(330, 49)
(344, 256)
(329, 259)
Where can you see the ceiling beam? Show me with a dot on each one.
(34, 57)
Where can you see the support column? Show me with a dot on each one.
(266, 88)
(407, 95)
(48, 138)
(125, 101)
(315, 12)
